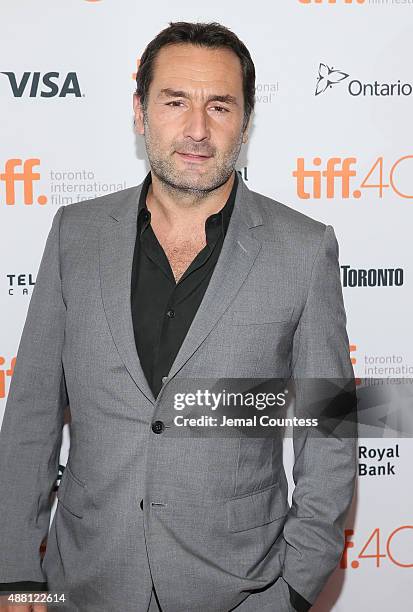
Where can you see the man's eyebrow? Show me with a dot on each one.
(178, 93)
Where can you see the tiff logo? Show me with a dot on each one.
(331, 1)
(337, 168)
(27, 176)
(4, 374)
(353, 359)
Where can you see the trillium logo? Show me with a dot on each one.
(327, 77)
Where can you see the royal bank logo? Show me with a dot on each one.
(43, 85)
(329, 77)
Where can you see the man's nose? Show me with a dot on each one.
(196, 126)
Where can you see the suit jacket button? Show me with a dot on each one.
(141, 504)
(158, 427)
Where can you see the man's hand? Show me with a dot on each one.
(6, 606)
(24, 608)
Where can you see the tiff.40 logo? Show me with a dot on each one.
(336, 177)
(19, 171)
(377, 548)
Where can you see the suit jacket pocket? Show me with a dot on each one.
(264, 315)
(71, 493)
(256, 509)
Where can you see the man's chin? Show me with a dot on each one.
(187, 182)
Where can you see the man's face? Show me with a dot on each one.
(194, 117)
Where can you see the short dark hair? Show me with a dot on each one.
(212, 35)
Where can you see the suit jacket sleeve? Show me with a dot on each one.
(31, 432)
(324, 467)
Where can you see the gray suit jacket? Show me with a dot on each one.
(216, 529)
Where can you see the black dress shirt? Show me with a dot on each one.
(163, 309)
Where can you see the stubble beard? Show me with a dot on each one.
(175, 180)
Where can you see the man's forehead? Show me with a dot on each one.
(195, 62)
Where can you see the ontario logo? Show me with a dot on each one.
(329, 77)
(44, 85)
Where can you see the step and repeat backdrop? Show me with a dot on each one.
(332, 137)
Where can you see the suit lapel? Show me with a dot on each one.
(237, 256)
(116, 247)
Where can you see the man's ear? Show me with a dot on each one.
(246, 130)
(138, 114)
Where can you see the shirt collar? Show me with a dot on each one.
(224, 214)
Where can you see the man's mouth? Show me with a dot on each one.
(193, 157)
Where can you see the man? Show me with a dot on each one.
(189, 275)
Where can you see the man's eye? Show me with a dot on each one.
(221, 108)
(177, 103)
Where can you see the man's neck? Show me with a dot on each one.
(177, 208)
